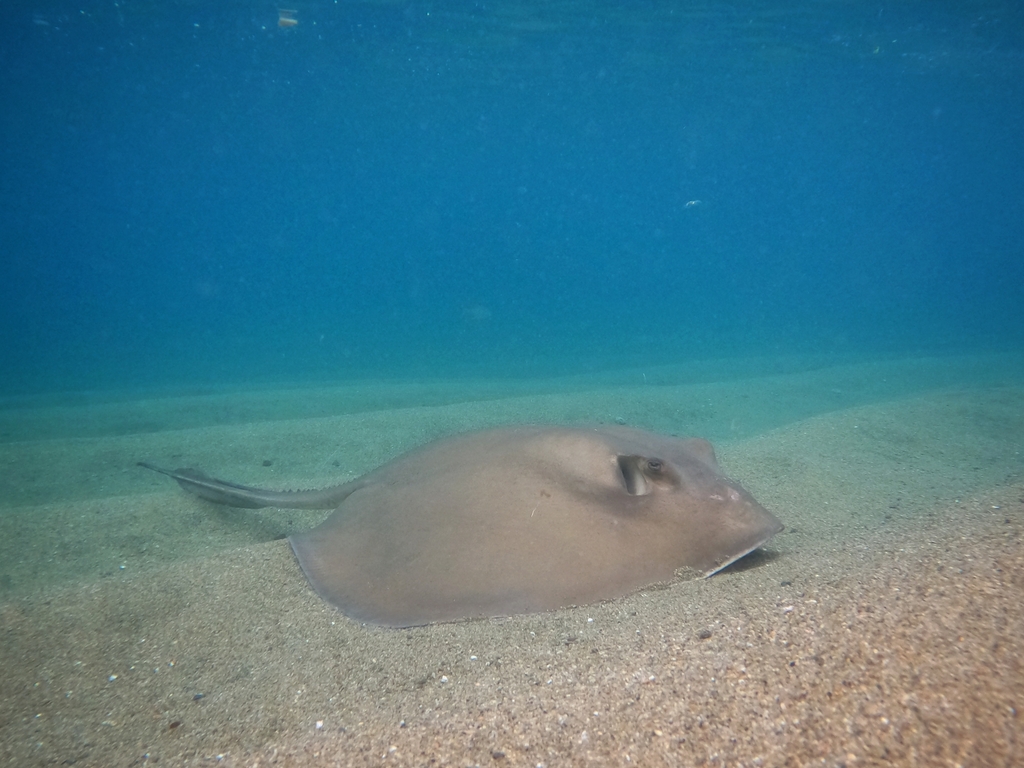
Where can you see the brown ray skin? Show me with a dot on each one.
(515, 520)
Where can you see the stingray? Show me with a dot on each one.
(514, 520)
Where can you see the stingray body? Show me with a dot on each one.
(514, 520)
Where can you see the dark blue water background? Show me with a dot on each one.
(190, 194)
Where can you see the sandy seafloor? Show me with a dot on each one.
(885, 625)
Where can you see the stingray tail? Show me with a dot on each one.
(248, 497)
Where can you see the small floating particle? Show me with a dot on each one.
(319, 725)
(704, 634)
(198, 696)
(174, 725)
(286, 18)
(112, 678)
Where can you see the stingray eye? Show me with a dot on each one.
(655, 465)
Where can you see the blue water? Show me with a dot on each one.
(191, 194)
